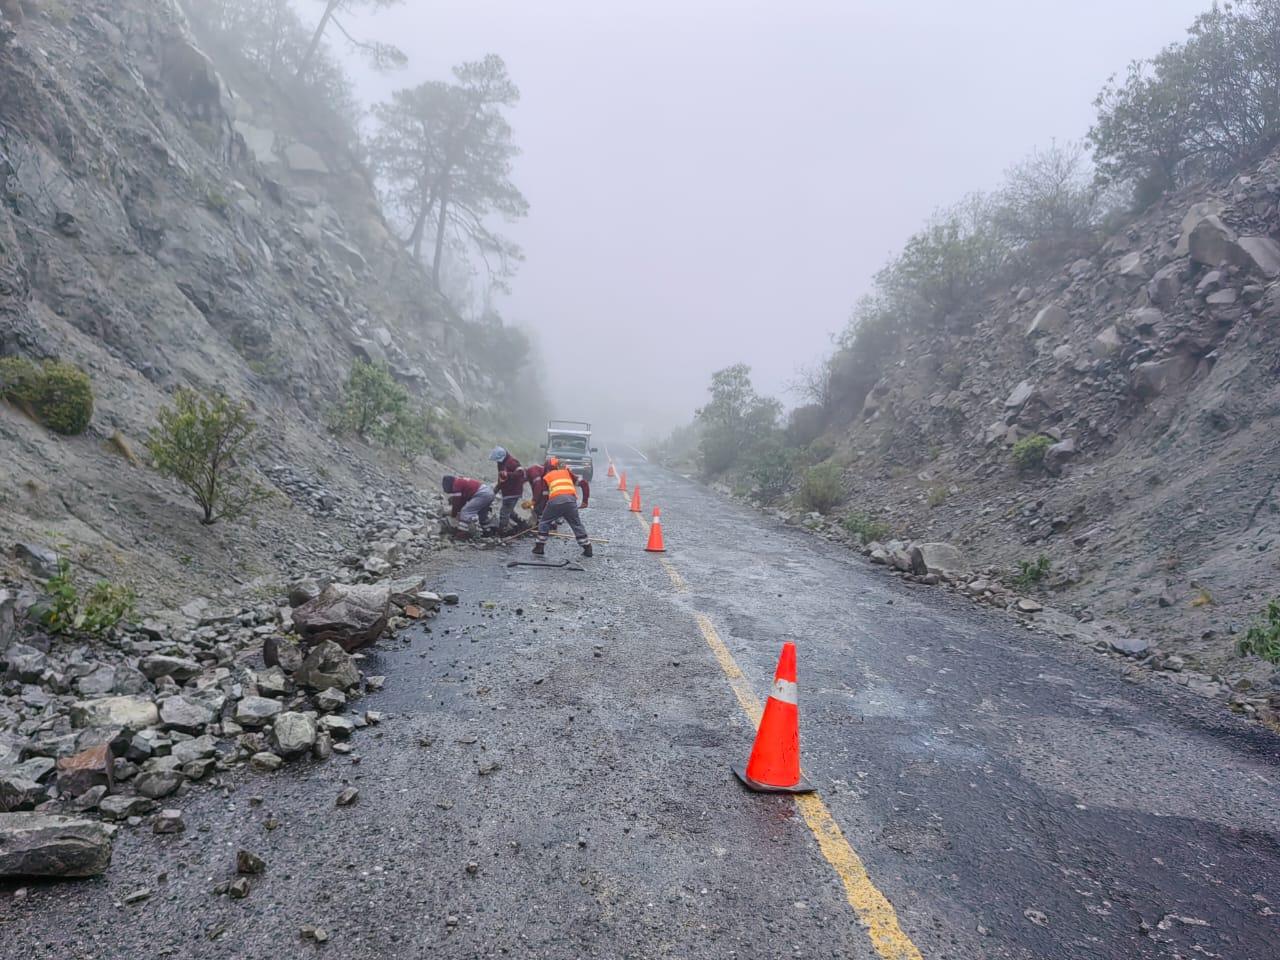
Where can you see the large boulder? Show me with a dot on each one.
(17, 792)
(1165, 286)
(1198, 211)
(1107, 342)
(941, 557)
(1259, 255)
(132, 713)
(1153, 378)
(352, 615)
(1211, 242)
(327, 665)
(36, 845)
(1057, 456)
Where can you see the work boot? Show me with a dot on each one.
(586, 549)
(539, 549)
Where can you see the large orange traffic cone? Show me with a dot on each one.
(622, 481)
(655, 533)
(635, 501)
(774, 766)
(612, 472)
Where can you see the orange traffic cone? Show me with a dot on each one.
(622, 481)
(612, 472)
(774, 766)
(635, 501)
(655, 533)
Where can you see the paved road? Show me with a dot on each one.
(552, 781)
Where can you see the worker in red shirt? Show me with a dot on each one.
(469, 501)
(562, 504)
(537, 487)
(511, 479)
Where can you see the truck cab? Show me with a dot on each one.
(570, 442)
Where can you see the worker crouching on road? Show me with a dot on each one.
(511, 478)
(470, 501)
(562, 504)
(537, 487)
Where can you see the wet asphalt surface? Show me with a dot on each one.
(552, 780)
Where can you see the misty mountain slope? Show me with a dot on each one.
(1154, 367)
(143, 238)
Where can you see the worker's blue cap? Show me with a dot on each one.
(498, 454)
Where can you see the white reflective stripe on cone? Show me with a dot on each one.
(784, 690)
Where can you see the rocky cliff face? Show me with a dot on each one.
(1154, 368)
(165, 224)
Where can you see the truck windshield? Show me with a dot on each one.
(567, 445)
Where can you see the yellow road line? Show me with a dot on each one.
(872, 907)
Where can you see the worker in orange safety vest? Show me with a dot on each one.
(562, 504)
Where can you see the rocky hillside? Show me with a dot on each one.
(167, 223)
(1153, 368)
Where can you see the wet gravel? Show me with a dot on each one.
(551, 780)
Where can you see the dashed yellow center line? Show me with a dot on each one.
(872, 907)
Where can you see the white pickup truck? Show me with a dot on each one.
(570, 442)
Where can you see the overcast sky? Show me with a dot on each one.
(714, 181)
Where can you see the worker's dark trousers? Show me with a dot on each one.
(566, 509)
(506, 510)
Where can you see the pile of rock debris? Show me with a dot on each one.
(108, 731)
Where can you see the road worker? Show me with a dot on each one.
(469, 501)
(562, 504)
(537, 488)
(511, 480)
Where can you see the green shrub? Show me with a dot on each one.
(371, 399)
(1263, 636)
(862, 525)
(821, 487)
(1031, 572)
(771, 473)
(95, 613)
(200, 442)
(59, 395)
(1028, 453)
(937, 496)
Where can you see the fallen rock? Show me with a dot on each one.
(39, 845)
(303, 591)
(1153, 378)
(293, 733)
(1057, 455)
(157, 783)
(347, 797)
(186, 713)
(85, 770)
(249, 864)
(40, 560)
(122, 807)
(1260, 255)
(168, 822)
(330, 700)
(265, 761)
(181, 669)
(352, 615)
(1027, 605)
(131, 713)
(1211, 242)
(1052, 319)
(282, 653)
(19, 793)
(941, 557)
(327, 665)
(256, 711)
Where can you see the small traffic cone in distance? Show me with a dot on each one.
(774, 766)
(656, 544)
(622, 481)
(635, 501)
(612, 472)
